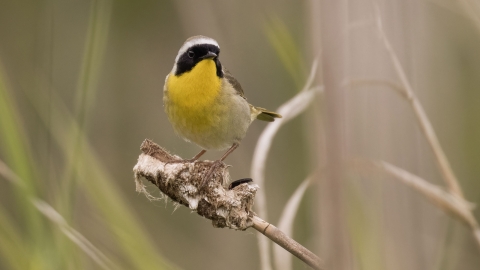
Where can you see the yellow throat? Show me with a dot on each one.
(192, 95)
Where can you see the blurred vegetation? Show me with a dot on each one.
(286, 47)
(62, 99)
(81, 87)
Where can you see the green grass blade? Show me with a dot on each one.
(95, 45)
(14, 148)
(287, 49)
(12, 246)
(102, 193)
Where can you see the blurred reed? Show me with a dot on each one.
(35, 244)
(289, 110)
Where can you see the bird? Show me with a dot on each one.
(205, 104)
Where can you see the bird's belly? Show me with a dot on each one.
(214, 126)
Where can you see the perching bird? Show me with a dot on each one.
(205, 103)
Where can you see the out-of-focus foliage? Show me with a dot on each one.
(286, 48)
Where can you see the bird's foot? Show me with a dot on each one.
(216, 164)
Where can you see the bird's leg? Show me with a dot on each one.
(197, 156)
(216, 164)
(229, 151)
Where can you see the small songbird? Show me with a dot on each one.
(205, 103)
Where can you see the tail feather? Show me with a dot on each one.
(266, 115)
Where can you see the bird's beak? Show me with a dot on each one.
(209, 55)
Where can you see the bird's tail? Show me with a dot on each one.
(265, 115)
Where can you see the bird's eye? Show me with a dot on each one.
(191, 54)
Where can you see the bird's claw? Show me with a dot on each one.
(207, 176)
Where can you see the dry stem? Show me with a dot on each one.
(425, 124)
(453, 201)
(180, 181)
(286, 242)
(289, 110)
(226, 207)
(448, 202)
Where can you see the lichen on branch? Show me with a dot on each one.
(180, 181)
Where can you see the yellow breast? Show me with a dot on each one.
(191, 98)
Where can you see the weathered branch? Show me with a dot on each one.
(180, 181)
(229, 207)
(286, 242)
